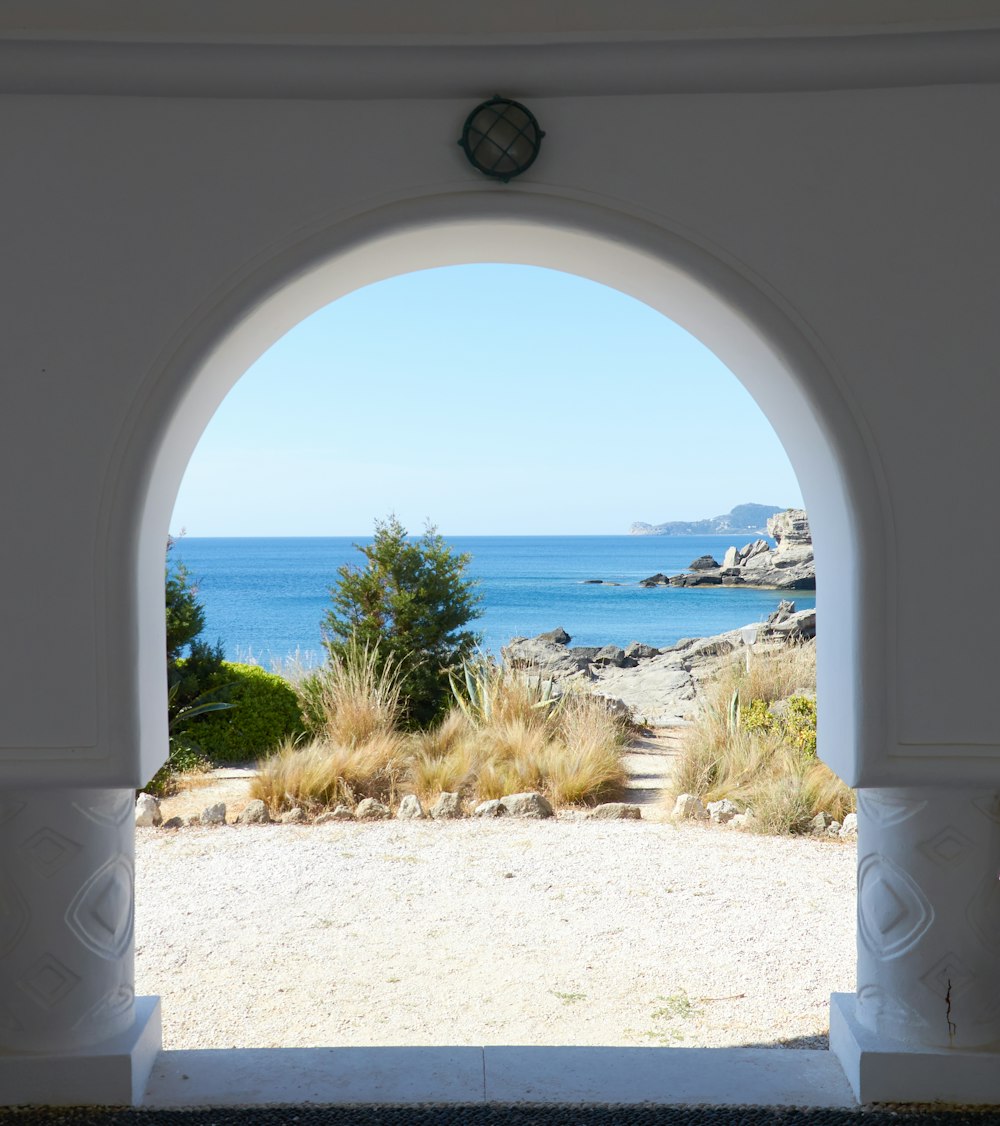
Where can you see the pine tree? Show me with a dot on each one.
(412, 599)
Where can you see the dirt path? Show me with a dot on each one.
(650, 763)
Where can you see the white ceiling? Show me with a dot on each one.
(475, 21)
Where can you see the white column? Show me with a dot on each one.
(67, 997)
(926, 1017)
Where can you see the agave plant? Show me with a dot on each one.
(488, 692)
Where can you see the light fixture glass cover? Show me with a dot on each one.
(501, 138)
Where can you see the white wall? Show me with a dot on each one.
(849, 238)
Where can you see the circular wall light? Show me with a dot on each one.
(501, 138)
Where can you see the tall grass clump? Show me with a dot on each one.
(355, 695)
(525, 737)
(321, 774)
(754, 742)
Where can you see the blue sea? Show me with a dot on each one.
(264, 598)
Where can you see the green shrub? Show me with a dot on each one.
(756, 717)
(264, 714)
(800, 724)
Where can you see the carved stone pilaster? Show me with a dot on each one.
(929, 916)
(66, 913)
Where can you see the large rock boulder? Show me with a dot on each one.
(790, 528)
(557, 636)
(539, 655)
(703, 563)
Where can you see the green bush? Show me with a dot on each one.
(800, 724)
(264, 713)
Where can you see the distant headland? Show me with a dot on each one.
(745, 519)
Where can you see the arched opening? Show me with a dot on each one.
(729, 312)
(725, 310)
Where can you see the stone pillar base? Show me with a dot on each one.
(114, 1073)
(888, 1071)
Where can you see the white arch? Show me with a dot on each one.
(754, 332)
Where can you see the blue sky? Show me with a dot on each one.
(490, 400)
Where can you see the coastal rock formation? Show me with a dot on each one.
(656, 687)
(789, 566)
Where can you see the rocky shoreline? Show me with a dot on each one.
(655, 687)
(789, 566)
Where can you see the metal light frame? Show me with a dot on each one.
(486, 153)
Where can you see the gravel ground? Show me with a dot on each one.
(471, 932)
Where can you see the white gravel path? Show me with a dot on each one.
(471, 932)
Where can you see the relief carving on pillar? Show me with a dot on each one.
(893, 913)
(66, 918)
(929, 916)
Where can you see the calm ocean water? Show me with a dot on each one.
(265, 597)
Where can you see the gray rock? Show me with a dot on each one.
(147, 812)
(752, 550)
(541, 656)
(689, 807)
(557, 636)
(616, 811)
(447, 807)
(833, 829)
(820, 823)
(585, 652)
(849, 829)
(784, 611)
(255, 813)
(610, 655)
(743, 820)
(214, 814)
(731, 559)
(530, 804)
(492, 808)
(327, 817)
(721, 812)
(637, 651)
(790, 528)
(797, 627)
(410, 809)
(294, 816)
(703, 563)
(342, 813)
(659, 579)
(369, 809)
(614, 705)
(173, 823)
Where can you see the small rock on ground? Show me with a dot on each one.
(254, 813)
(689, 806)
(447, 807)
(530, 804)
(410, 809)
(147, 811)
(491, 808)
(370, 810)
(616, 811)
(214, 814)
